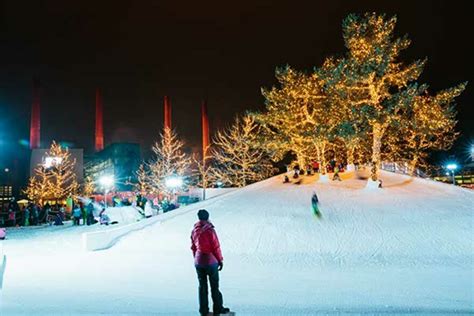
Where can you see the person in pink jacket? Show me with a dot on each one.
(208, 261)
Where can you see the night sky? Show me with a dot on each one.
(139, 51)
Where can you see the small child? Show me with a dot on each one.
(3, 233)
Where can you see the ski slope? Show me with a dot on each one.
(407, 248)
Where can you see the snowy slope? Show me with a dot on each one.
(405, 249)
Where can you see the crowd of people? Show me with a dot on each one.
(33, 214)
(314, 167)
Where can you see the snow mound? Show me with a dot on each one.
(124, 214)
(405, 248)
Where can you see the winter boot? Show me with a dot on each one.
(223, 310)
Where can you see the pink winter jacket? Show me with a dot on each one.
(205, 244)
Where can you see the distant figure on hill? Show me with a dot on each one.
(286, 179)
(208, 261)
(336, 174)
(315, 205)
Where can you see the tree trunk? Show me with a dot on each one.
(322, 151)
(413, 164)
(377, 131)
(350, 155)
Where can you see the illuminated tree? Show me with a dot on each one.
(204, 170)
(298, 117)
(55, 178)
(372, 79)
(142, 184)
(239, 159)
(88, 187)
(169, 160)
(37, 186)
(428, 125)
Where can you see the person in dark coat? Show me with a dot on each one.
(90, 213)
(208, 261)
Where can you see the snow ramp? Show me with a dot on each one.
(407, 248)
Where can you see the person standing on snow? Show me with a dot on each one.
(336, 174)
(208, 261)
(90, 213)
(76, 215)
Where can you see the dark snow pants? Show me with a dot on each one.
(213, 274)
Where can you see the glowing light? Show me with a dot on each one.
(52, 161)
(174, 182)
(107, 181)
(452, 166)
(7, 170)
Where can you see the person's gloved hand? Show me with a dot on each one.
(220, 265)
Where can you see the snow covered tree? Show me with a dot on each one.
(169, 160)
(239, 159)
(55, 178)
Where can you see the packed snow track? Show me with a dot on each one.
(406, 248)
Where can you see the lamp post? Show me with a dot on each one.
(107, 182)
(452, 167)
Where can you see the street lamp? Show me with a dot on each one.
(173, 183)
(452, 167)
(107, 182)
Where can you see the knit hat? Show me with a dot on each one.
(203, 215)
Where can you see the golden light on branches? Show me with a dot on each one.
(55, 178)
(169, 160)
(239, 160)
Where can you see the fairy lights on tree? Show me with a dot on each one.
(368, 100)
(169, 160)
(239, 160)
(54, 179)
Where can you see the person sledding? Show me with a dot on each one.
(208, 261)
(104, 219)
(315, 205)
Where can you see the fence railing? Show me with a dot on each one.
(402, 168)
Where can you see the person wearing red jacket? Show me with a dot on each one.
(208, 261)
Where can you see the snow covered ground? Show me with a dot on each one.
(408, 248)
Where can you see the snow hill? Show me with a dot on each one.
(408, 248)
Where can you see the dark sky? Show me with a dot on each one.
(138, 51)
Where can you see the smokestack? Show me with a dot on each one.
(205, 128)
(99, 121)
(167, 112)
(35, 123)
